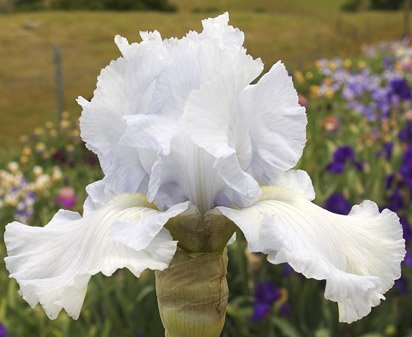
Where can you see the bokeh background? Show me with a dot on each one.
(351, 62)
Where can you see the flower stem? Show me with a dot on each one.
(192, 294)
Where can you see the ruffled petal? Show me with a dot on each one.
(53, 264)
(125, 87)
(219, 28)
(210, 112)
(99, 194)
(270, 110)
(193, 64)
(358, 255)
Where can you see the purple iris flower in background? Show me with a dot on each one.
(335, 167)
(260, 310)
(405, 135)
(286, 309)
(337, 203)
(389, 179)
(387, 150)
(287, 270)
(406, 166)
(407, 232)
(387, 62)
(399, 87)
(402, 285)
(341, 156)
(3, 331)
(395, 201)
(408, 259)
(266, 293)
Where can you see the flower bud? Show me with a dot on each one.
(192, 294)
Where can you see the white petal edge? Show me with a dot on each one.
(358, 255)
(53, 264)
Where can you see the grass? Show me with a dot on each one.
(296, 31)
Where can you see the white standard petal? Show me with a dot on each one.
(125, 87)
(219, 28)
(210, 112)
(358, 255)
(53, 264)
(276, 123)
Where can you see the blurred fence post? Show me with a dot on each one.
(58, 77)
(407, 10)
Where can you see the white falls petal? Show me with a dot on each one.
(276, 124)
(358, 255)
(298, 180)
(53, 264)
(138, 234)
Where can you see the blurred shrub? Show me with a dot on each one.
(355, 5)
(6, 6)
(209, 9)
(120, 5)
(386, 4)
(77, 4)
(28, 5)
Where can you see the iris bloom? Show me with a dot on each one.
(191, 150)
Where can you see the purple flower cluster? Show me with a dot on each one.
(343, 156)
(398, 89)
(365, 92)
(3, 331)
(266, 294)
(403, 181)
(405, 135)
(399, 186)
(338, 204)
(386, 151)
(25, 207)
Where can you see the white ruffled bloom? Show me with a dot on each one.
(179, 129)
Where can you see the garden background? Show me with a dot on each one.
(355, 87)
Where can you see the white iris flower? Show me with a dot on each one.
(189, 149)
